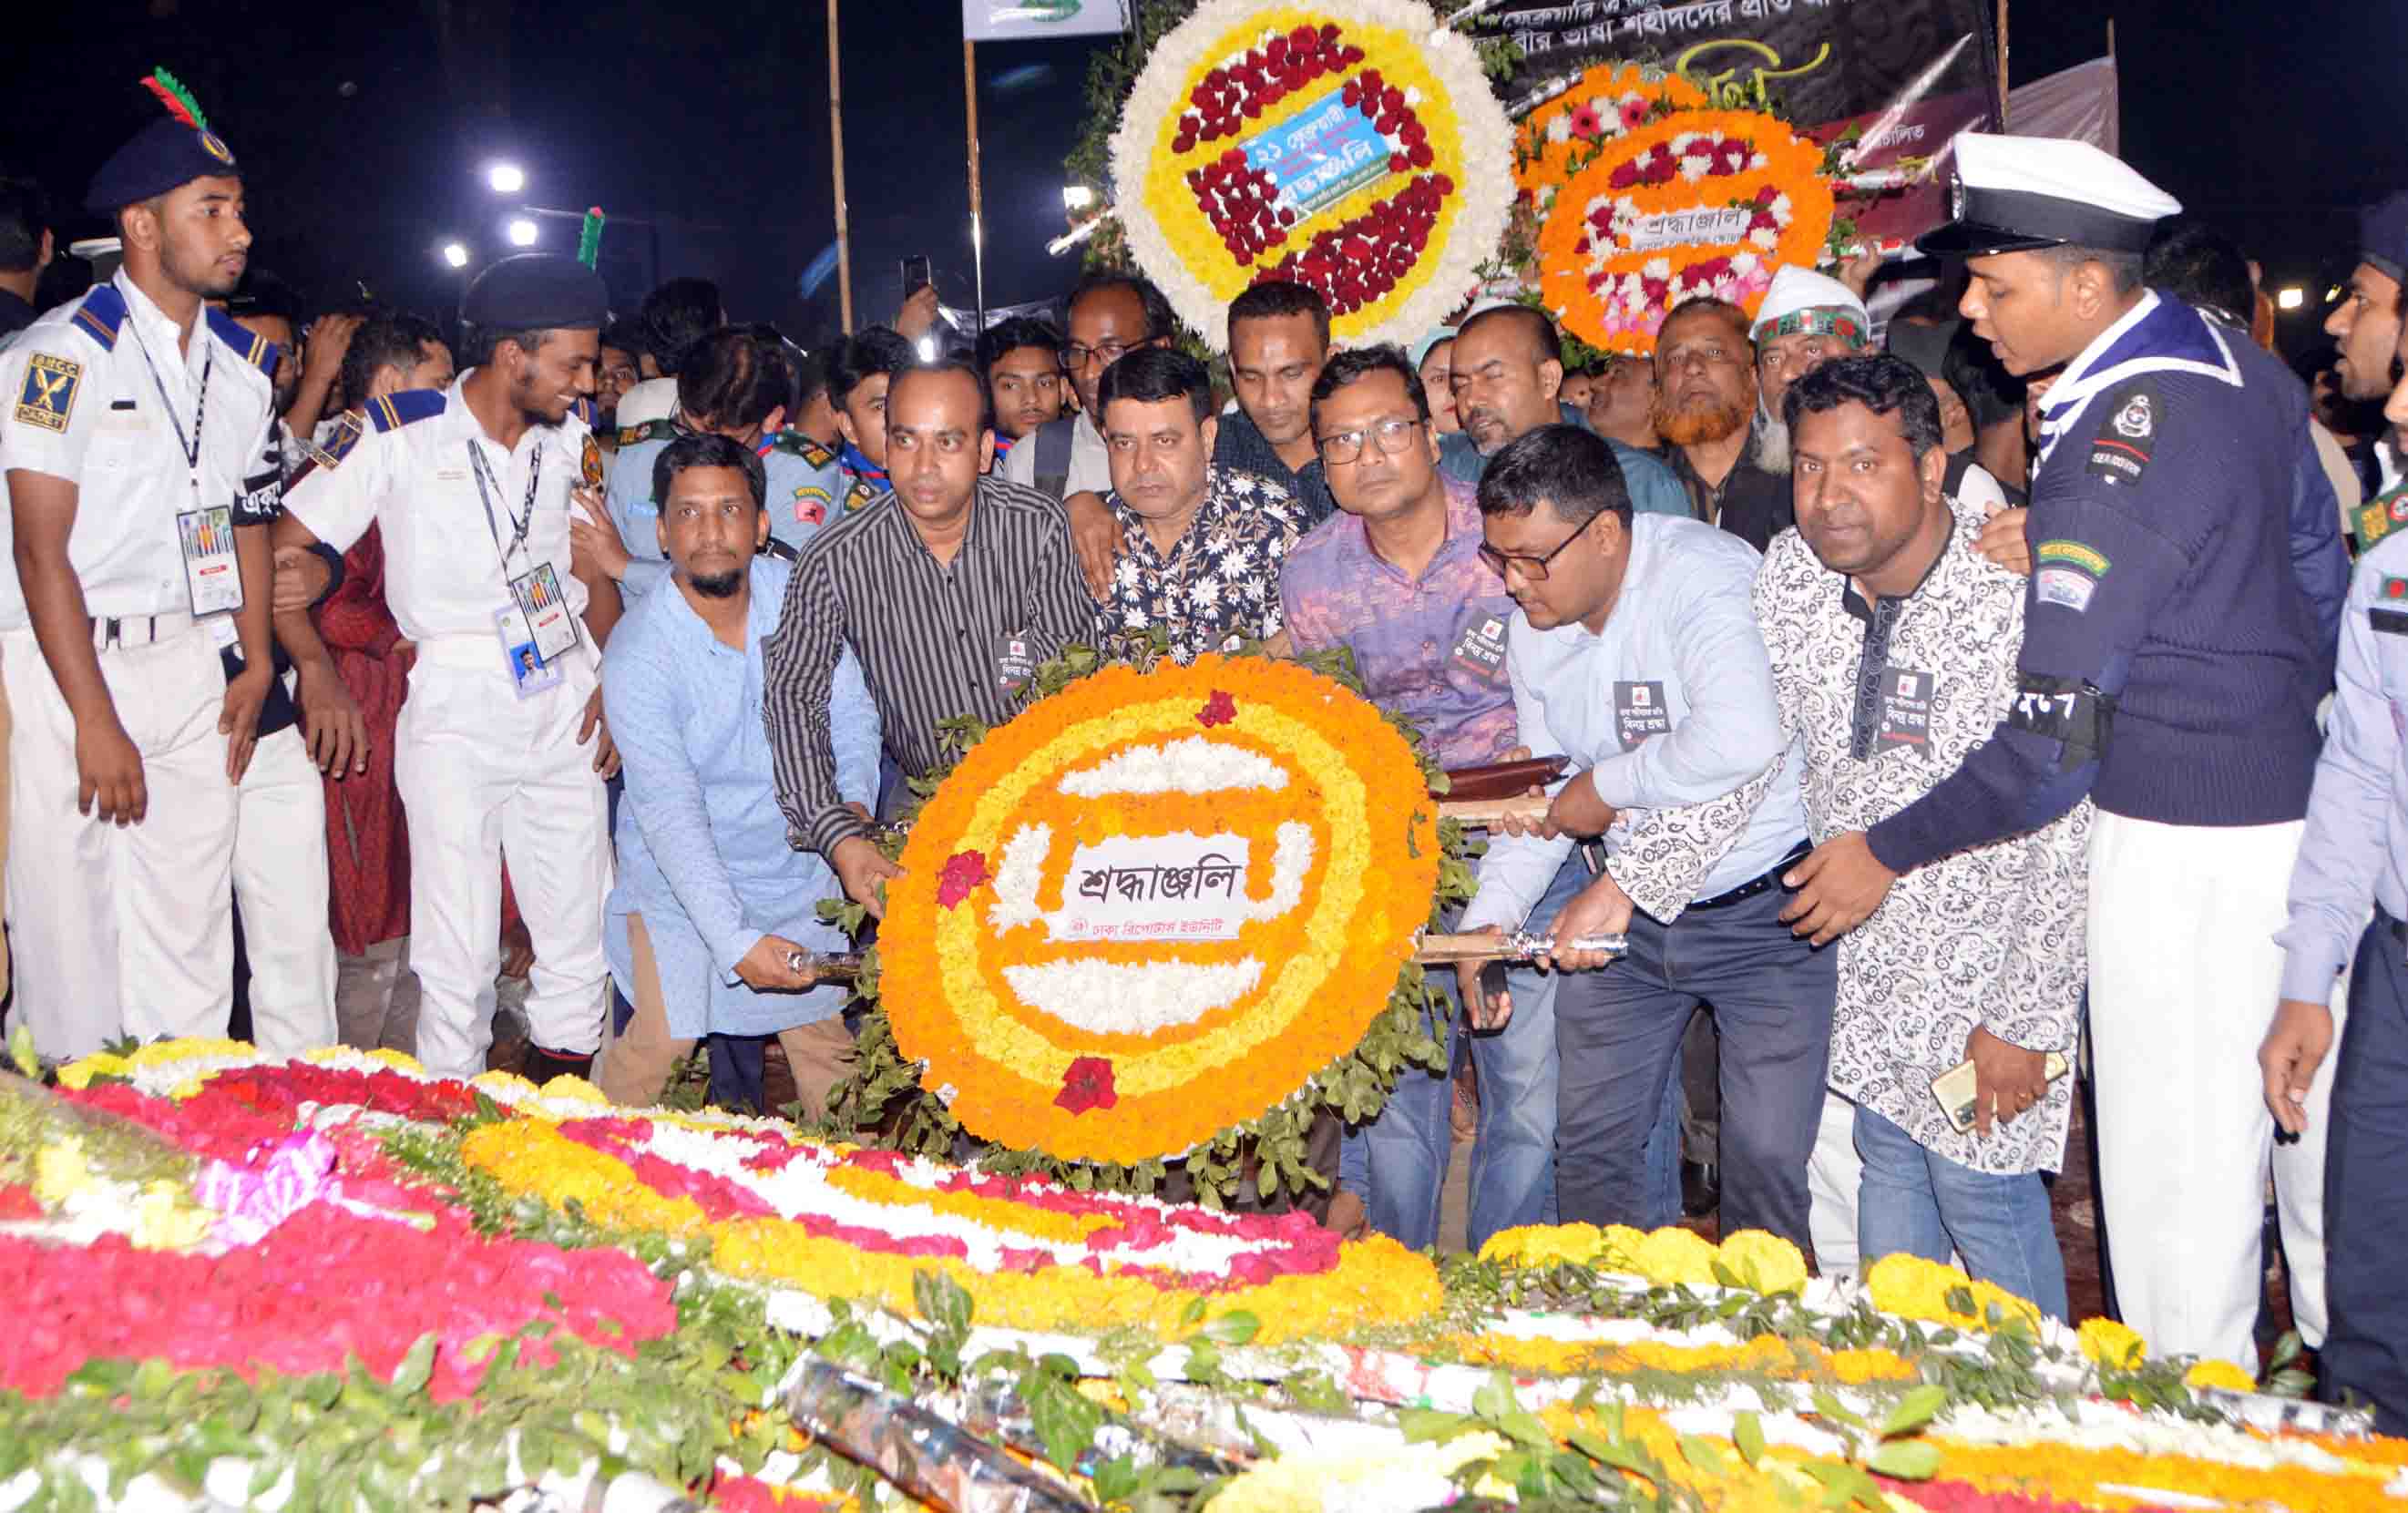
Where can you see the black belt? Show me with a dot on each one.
(2399, 931)
(1763, 884)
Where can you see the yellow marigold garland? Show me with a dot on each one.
(1752, 1257)
(1913, 1288)
(1767, 1355)
(1331, 963)
(1376, 1280)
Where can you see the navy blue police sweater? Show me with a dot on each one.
(2175, 641)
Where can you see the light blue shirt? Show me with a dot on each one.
(2350, 852)
(1654, 489)
(799, 499)
(1671, 704)
(702, 848)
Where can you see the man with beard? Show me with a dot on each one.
(712, 905)
(135, 416)
(1807, 319)
(1705, 406)
(1507, 370)
(501, 747)
(2171, 667)
(1279, 340)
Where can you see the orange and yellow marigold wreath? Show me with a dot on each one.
(1560, 137)
(1125, 1051)
(1612, 262)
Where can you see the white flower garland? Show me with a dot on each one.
(1193, 765)
(1132, 997)
(1469, 229)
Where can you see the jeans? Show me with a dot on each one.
(1915, 1200)
(1619, 1030)
(2366, 1202)
(1397, 1161)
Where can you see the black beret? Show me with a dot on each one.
(166, 155)
(537, 292)
(2383, 235)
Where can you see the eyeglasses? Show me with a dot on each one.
(1343, 447)
(1533, 569)
(1075, 355)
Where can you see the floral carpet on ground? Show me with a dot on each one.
(341, 1283)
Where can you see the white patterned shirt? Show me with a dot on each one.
(1888, 698)
(1218, 586)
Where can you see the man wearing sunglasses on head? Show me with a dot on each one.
(1633, 649)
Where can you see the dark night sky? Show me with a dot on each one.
(362, 149)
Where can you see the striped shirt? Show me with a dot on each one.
(935, 642)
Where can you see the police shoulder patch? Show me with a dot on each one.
(630, 435)
(391, 412)
(810, 504)
(2130, 420)
(796, 444)
(249, 345)
(862, 494)
(101, 314)
(590, 462)
(329, 453)
(49, 394)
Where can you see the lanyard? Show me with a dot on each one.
(192, 449)
(487, 487)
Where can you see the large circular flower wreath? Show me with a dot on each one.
(1701, 202)
(1068, 1051)
(1350, 145)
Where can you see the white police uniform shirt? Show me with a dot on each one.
(83, 405)
(408, 467)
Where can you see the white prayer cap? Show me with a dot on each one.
(1796, 291)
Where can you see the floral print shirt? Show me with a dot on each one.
(1220, 584)
(1887, 699)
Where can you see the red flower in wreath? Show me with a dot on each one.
(1087, 1084)
(1218, 710)
(965, 872)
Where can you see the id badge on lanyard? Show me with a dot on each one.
(212, 574)
(205, 533)
(536, 627)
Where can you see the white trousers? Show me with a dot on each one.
(2185, 976)
(1833, 1174)
(483, 775)
(122, 931)
(279, 880)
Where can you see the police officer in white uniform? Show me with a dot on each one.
(500, 749)
(134, 416)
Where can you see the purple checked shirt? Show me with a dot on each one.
(1431, 649)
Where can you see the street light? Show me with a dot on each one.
(506, 178)
(1077, 196)
(522, 232)
(2291, 298)
(455, 254)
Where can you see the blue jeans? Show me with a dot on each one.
(1619, 1030)
(1915, 1200)
(2366, 1202)
(1397, 1161)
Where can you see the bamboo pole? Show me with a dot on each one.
(2002, 63)
(1485, 813)
(978, 223)
(835, 154)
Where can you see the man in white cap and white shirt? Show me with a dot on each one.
(1806, 320)
(501, 749)
(2173, 659)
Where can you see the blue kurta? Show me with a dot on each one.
(702, 848)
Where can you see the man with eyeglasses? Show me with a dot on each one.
(1110, 315)
(1395, 579)
(1634, 651)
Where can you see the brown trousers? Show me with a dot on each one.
(636, 1065)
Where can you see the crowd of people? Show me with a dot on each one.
(1949, 718)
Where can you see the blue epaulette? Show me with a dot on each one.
(256, 349)
(102, 312)
(584, 409)
(391, 412)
